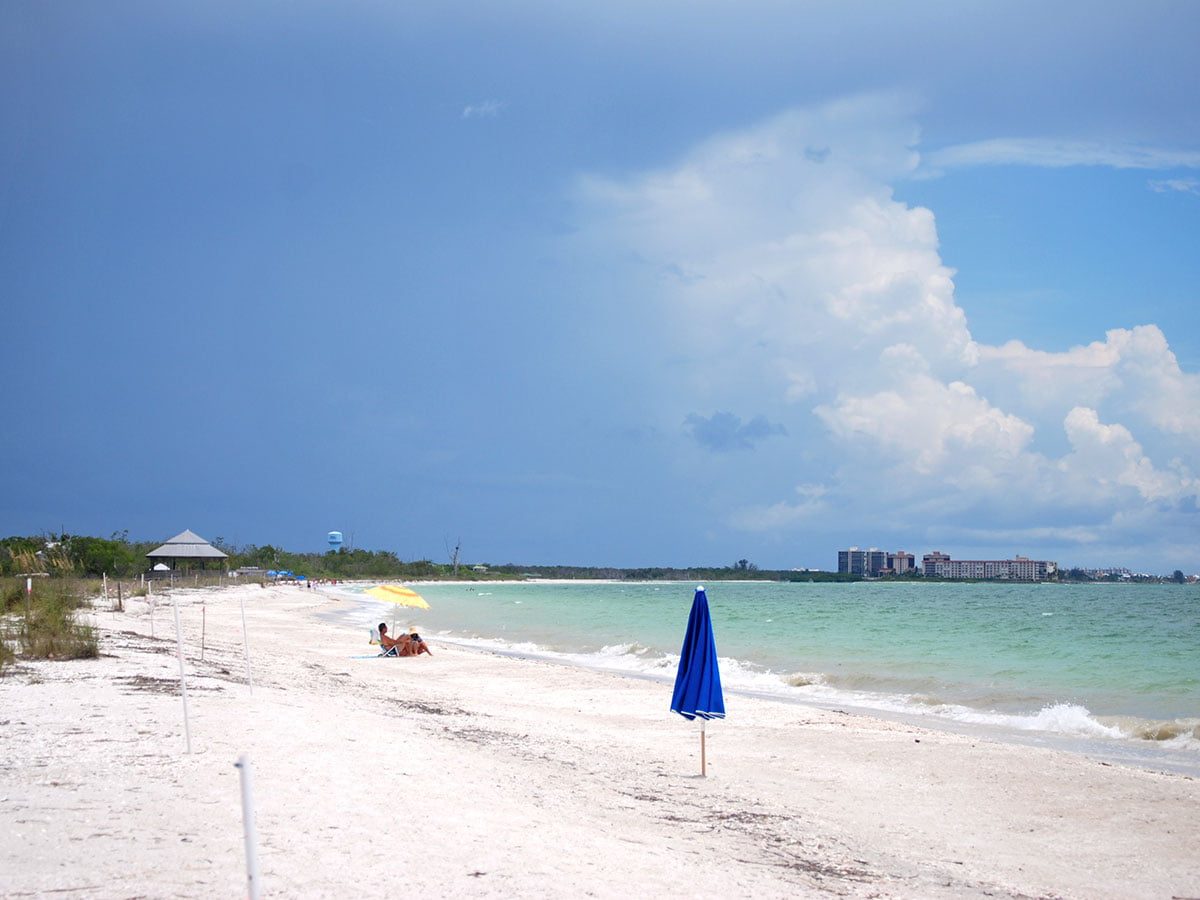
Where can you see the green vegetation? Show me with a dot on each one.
(42, 625)
(342, 564)
(118, 557)
(73, 555)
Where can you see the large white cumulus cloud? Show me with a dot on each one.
(1106, 458)
(791, 282)
(1132, 372)
(782, 247)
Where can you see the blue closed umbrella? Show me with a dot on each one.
(698, 682)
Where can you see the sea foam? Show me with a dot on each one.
(1069, 719)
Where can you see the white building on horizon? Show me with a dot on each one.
(1019, 568)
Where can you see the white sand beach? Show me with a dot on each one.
(475, 774)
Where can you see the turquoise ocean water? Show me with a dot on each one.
(1109, 663)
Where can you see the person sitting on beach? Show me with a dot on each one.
(417, 643)
(405, 645)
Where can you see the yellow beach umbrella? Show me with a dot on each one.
(398, 594)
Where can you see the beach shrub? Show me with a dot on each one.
(7, 656)
(65, 554)
(97, 556)
(47, 628)
(19, 554)
(12, 595)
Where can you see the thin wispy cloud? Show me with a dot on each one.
(1057, 154)
(1180, 185)
(810, 504)
(485, 109)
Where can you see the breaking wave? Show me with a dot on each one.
(1070, 719)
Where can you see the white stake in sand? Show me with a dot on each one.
(248, 829)
(187, 731)
(246, 647)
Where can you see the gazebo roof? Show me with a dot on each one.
(187, 545)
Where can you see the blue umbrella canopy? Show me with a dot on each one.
(698, 681)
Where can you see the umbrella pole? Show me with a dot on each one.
(703, 761)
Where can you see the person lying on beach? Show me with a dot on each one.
(405, 645)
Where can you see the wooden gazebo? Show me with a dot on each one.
(187, 546)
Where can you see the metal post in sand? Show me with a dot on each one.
(248, 829)
(187, 731)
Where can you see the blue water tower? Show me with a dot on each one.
(335, 540)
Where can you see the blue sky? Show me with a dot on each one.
(606, 285)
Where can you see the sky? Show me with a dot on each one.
(614, 283)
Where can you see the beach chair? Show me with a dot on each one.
(375, 640)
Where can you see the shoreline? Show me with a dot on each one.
(505, 762)
(1146, 740)
(1142, 753)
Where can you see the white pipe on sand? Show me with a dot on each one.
(187, 731)
(246, 647)
(248, 828)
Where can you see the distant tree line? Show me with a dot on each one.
(668, 573)
(119, 557)
(67, 554)
(1080, 575)
(342, 564)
